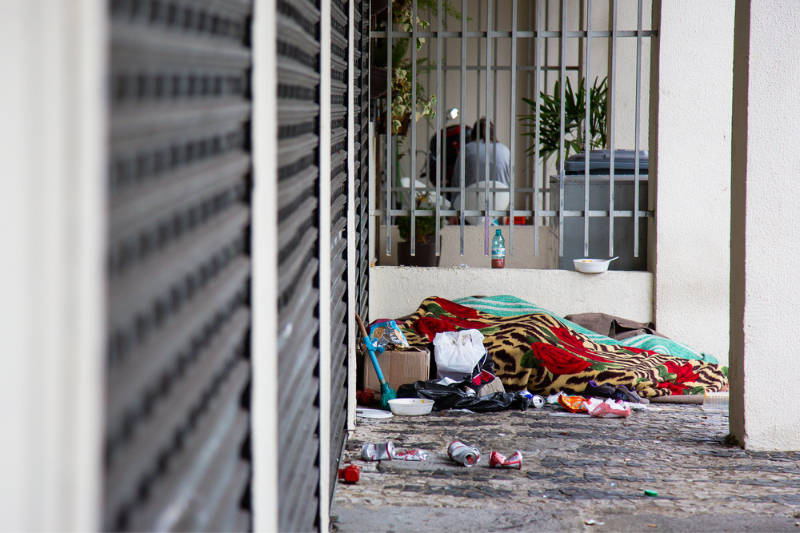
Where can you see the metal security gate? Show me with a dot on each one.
(298, 265)
(178, 421)
(339, 233)
(361, 175)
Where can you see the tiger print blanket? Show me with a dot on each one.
(539, 352)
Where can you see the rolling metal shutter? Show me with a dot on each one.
(361, 177)
(339, 192)
(298, 264)
(178, 420)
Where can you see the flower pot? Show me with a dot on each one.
(425, 255)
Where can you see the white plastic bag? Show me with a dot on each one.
(458, 351)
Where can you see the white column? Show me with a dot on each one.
(690, 123)
(324, 263)
(264, 344)
(352, 265)
(53, 56)
(764, 226)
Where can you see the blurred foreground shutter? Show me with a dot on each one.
(178, 420)
(339, 231)
(298, 264)
(360, 124)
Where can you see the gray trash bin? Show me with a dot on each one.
(599, 180)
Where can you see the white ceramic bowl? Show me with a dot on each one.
(410, 406)
(591, 266)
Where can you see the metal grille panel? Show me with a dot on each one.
(298, 264)
(177, 442)
(361, 168)
(339, 232)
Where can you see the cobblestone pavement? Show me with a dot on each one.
(574, 470)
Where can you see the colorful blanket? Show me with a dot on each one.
(540, 352)
(512, 306)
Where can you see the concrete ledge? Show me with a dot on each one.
(397, 291)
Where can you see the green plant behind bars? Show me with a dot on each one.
(402, 105)
(574, 119)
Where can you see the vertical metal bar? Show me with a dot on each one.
(439, 136)
(478, 71)
(537, 97)
(611, 111)
(493, 164)
(427, 121)
(388, 165)
(637, 126)
(513, 144)
(486, 127)
(413, 157)
(461, 152)
(587, 129)
(528, 74)
(562, 82)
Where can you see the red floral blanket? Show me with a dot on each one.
(540, 353)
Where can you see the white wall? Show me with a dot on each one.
(765, 236)
(397, 291)
(690, 157)
(52, 300)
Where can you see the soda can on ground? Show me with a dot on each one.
(463, 454)
(410, 455)
(538, 401)
(498, 460)
(377, 452)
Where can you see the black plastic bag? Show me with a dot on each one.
(454, 397)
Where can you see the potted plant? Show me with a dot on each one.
(574, 119)
(425, 233)
(403, 108)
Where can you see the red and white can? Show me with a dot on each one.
(498, 460)
(463, 454)
(377, 452)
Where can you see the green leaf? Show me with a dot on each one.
(529, 360)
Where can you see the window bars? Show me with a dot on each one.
(481, 56)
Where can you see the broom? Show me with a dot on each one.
(387, 393)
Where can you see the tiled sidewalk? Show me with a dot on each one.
(575, 470)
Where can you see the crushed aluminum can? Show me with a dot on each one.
(538, 401)
(377, 452)
(498, 460)
(410, 455)
(463, 454)
(514, 461)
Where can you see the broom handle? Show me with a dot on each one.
(361, 326)
(375, 364)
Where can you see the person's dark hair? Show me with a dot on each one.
(479, 132)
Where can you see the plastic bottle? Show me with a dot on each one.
(498, 250)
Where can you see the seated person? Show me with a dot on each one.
(475, 172)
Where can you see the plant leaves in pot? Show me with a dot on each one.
(425, 231)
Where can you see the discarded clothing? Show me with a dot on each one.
(454, 397)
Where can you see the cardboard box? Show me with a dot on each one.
(398, 367)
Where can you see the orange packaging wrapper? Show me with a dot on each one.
(574, 404)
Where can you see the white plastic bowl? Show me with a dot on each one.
(410, 406)
(591, 266)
